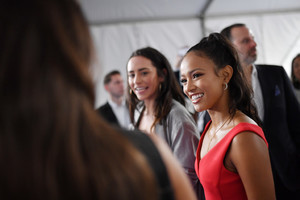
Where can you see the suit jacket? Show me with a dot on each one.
(281, 125)
(108, 114)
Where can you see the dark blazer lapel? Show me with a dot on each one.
(272, 88)
(265, 88)
(107, 113)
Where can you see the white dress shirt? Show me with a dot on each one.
(121, 112)
(258, 97)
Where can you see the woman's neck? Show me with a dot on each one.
(149, 108)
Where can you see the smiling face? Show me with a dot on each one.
(142, 78)
(200, 82)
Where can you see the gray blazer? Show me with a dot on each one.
(179, 130)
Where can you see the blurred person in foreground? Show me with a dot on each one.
(278, 110)
(53, 144)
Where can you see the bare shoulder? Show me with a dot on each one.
(249, 157)
(248, 140)
(243, 118)
(246, 147)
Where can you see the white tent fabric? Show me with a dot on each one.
(119, 27)
(120, 11)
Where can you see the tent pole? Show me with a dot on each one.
(202, 16)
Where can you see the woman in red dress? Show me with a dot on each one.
(232, 160)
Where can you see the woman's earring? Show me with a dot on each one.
(159, 87)
(226, 86)
(130, 91)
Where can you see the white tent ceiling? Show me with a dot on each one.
(119, 27)
(117, 11)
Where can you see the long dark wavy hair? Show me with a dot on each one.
(169, 89)
(295, 81)
(219, 49)
(53, 144)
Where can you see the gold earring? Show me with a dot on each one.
(159, 87)
(130, 91)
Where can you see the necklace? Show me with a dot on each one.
(216, 133)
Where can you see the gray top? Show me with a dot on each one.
(179, 130)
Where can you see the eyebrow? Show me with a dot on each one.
(190, 72)
(141, 69)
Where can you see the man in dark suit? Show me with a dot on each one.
(115, 110)
(277, 108)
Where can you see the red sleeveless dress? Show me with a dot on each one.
(217, 181)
